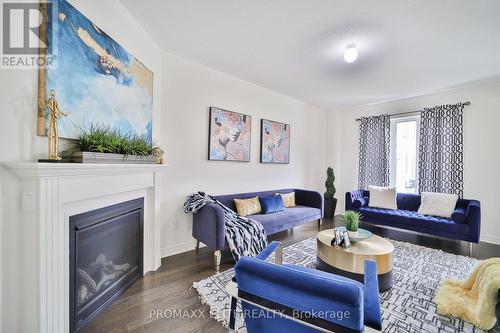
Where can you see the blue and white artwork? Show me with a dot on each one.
(96, 80)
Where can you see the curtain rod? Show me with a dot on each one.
(410, 112)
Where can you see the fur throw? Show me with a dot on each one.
(474, 299)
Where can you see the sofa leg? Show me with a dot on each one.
(278, 256)
(320, 222)
(197, 248)
(217, 256)
(470, 249)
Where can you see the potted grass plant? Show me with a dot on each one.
(98, 143)
(352, 220)
(330, 202)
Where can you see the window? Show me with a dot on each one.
(404, 147)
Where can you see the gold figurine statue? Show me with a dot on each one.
(158, 153)
(53, 133)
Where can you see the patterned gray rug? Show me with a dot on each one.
(407, 307)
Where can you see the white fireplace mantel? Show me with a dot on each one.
(51, 193)
(33, 170)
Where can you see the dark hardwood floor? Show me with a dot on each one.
(169, 288)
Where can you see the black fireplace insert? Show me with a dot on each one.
(105, 258)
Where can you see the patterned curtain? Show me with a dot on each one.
(441, 150)
(374, 151)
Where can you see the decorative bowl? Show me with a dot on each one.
(357, 236)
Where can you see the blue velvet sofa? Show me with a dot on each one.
(208, 223)
(464, 224)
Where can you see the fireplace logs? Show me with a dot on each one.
(98, 275)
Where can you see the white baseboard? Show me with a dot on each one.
(490, 239)
(176, 249)
(179, 248)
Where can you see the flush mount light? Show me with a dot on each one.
(351, 53)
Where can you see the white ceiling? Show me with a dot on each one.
(295, 47)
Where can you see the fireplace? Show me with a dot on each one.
(106, 254)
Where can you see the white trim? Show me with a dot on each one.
(34, 170)
(393, 144)
(171, 250)
(490, 239)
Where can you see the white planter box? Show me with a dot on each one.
(107, 158)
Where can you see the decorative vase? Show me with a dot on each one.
(330, 205)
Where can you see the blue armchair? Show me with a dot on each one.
(297, 299)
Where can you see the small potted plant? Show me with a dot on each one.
(329, 196)
(352, 220)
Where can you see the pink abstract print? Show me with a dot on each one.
(275, 142)
(230, 135)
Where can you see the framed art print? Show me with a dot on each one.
(229, 136)
(274, 142)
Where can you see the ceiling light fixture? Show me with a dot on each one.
(351, 53)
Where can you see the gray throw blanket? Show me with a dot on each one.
(245, 237)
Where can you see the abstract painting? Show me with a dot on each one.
(95, 79)
(274, 142)
(229, 136)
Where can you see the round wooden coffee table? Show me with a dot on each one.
(350, 262)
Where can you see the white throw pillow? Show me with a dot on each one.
(383, 197)
(438, 204)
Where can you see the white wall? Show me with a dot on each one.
(189, 90)
(183, 93)
(180, 126)
(333, 149)
(481, 139)
(18, 110)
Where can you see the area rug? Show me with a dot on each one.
(407, 307)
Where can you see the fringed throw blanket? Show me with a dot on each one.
(245, 237)
(474, 299)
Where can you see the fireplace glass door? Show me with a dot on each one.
(105, 258)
